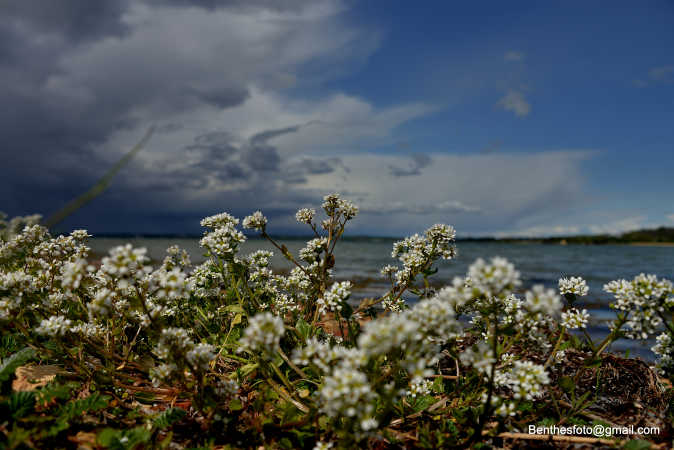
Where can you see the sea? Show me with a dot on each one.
(361, 259)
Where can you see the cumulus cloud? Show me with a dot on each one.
(515, 102)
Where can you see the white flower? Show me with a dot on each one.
(263, 334)
(219, 220)
(305, 215)
(334, 205)
(223, 241)
(255, 221)
(644, 299)
(542, 300)
(313, 248)
(201, 355)
(480, 357)
(664, 348)
(495, 279)
(506, 409)
(419, 386)
(54, 326)
(226, 388)
(525, 379)
(125, 261)
(176, 257)
(334, 299)
(573, 319)
(173, 341)
(573, 285)
(102, 303)
(347, 393)
(162, 372)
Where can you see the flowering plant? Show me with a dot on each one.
(231, 352)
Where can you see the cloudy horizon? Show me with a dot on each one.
(533, 120)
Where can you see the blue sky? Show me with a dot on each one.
(502, 118)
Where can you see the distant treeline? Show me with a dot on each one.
(656, 235)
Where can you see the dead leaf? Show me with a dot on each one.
(31, 377)
(84, 441)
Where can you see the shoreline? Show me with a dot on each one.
(651, 244)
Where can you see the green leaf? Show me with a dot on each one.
(567, 384)
(234, 308)
(235, 404)
(9, 365)
(123, 439)
(168, 417)
(636, 444)
(21, 403)
(303, 328)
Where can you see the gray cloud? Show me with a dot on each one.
(75, 73)
(73, 19)
(419, 161)
(450, 206)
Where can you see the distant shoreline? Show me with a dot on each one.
(658, 237)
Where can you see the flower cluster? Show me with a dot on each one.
(644, 300)
(313, 249)
(575, 319)
(419, 386)
(224, 239)
(334, 299)
(542, 300)
(347, 393)
(263, 334)
(495, 279)
(525, 379)
(177, 349)
(664, 349)
(256, 221)
(574, 285)
(417, 253)
(305, 215)
(334, 206)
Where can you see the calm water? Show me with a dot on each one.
(537, 263)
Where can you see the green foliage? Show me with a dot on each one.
(20, 404)
(123, 439)
(168, 417)
(9, 364)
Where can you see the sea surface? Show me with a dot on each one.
(360, 260)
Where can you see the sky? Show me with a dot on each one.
(499, 118)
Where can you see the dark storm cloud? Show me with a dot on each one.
(278, 5)
(419, 161)
(65, 87)
(75, 19)
(78, 76)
